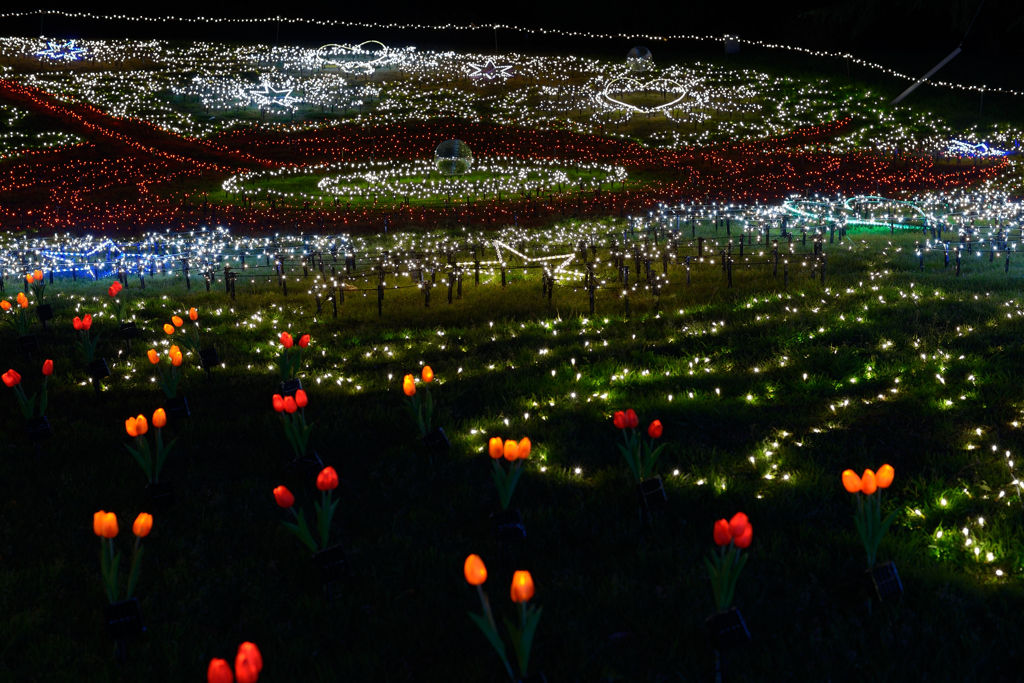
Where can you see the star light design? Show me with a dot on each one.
(490, 70)
(273, 97)
(62, 52)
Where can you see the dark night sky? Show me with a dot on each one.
(908, 34)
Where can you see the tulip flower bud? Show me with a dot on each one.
(22, 300)
(108, 525)
(28, 278)
(744, 539)
(86, 322)
(38, 275)
(131, 427)
(48, 369)
(193, 314)
(154, 357)
(11, 378)
(511, 450)
(301, 400)
(176, 359)
(654, 429)
(168, 328)
(284, 497)
(475, 570)
(219, 672)
(738, 524)
(97, 522)
(496, 447)
(111, 291)
(409, 385)
(524, 448)
(178, 322)
(304, 341)
(143, 524)
(286, 340)
(278, 403)
(248, 663)
(327, 480)
(631, 419)
(722, 533)
(290, 405)
(159, 418)
(77, 323)
(6, 305)
(427, 375)
(851, 482)
(884, 476)
(619, 419)
(868, 485)
(522, 586)
(141, 426)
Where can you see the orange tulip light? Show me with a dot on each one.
(168, 328)
(496, 447)
(851, 482)
(153, 356)
(409, 385)
(5, 305)
(38, 275)
(522, 587)
(193, 314)
(474, 570)
(524, 448)
(178, 322)
(511, 450)
(159, 418)
(22, 300)
(107, 524)
(143, 525)
(427, 374)
(150, 463)
(868, 517)
(521, 592)
(420, 407)
(884, 476)
(219, 672)
(867, 483)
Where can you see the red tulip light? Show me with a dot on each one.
(11, 378)
(304, 341)
(724, 567)
(248, 663)
(654, 429)
(219, 671)
(286, 340)
(300, 398)
(48, 367)
(284, 497)
(327, 480)
(278, 403)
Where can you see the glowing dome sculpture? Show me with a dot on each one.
(639, 59)
(453, 157)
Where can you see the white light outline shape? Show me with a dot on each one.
(490, 70)
(618, 104)
(263, 97)
(353, 67)
(65, 52)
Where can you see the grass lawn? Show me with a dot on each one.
(767, 394)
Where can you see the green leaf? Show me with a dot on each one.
(492, 636)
